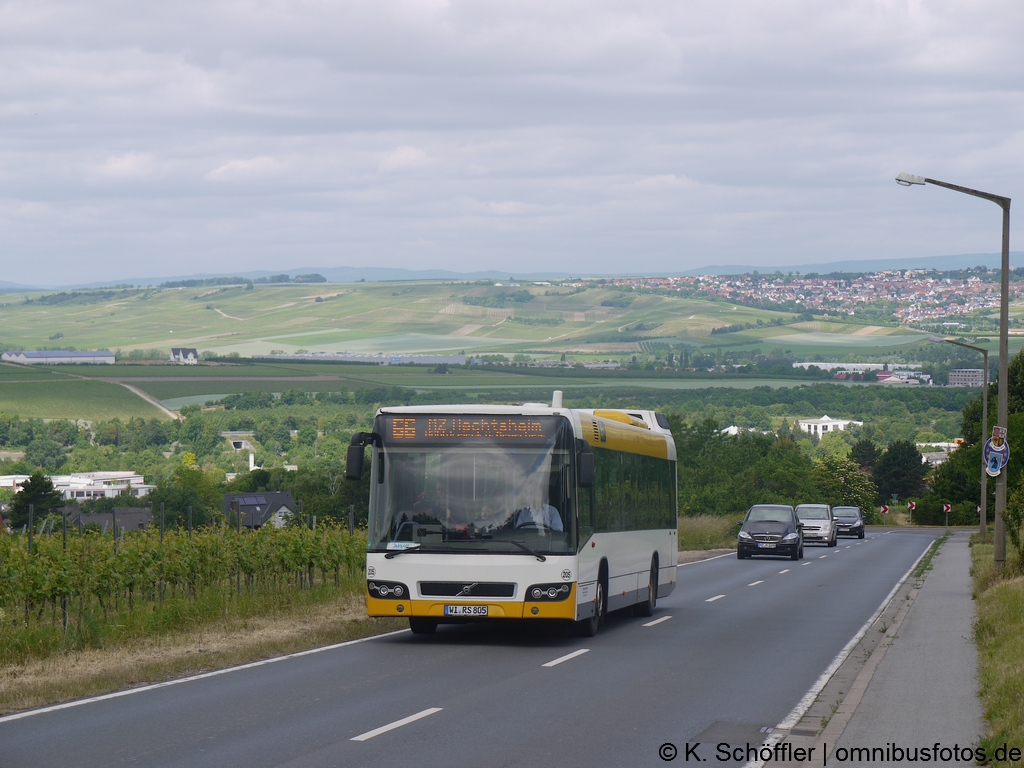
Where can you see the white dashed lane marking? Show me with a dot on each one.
(785, 571)
(657, 621)
(755, 583)
(560, 659)
(712, 599)
(397, 724)
(823, 557)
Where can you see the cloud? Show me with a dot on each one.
(604, 132)
(128, 166)
(245, 170)
(404, 158)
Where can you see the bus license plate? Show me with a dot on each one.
(465, 610)
(765, 546)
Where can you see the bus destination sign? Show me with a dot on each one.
(432, 429)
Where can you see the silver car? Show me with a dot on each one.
(819, 524)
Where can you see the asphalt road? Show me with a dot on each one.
(489, 695)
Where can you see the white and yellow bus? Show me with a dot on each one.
(528, 512)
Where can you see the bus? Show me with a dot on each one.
(517, 512)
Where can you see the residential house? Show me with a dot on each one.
(262, 508)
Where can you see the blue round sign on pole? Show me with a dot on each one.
(996, 452)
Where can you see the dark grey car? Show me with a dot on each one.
(849, 521)
(770, 529)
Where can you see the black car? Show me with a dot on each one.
(770, 529)
(849, 521)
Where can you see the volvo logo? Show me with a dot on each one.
(466, 590)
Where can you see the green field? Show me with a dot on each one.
(73, 399)
(10, 372)
(415, 317)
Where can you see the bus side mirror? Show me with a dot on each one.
(585, 469)
(354, 458)
(354, 463)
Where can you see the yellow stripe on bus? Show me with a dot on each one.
(603, 433)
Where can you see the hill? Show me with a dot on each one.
(590, 320)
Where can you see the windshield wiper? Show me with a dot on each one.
(529, 551)
(395, 552)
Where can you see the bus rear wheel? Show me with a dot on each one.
(647, 607)
(422, 626)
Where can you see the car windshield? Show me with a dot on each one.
(770, 513)
(846, 512)
(450, 485)
(812, 511)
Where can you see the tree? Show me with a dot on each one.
(864, 453)
(45, 453)
(841, 483)
(38, 491)
(899, 470)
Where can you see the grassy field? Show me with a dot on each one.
(73, 399)
(415, 317)
(15, 373)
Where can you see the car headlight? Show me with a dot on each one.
(790, 537)
(746, 536)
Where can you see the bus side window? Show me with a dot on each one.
(585, 502)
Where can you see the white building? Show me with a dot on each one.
(59, 357)
(184, 356)
(904, 377)
(967, 377)
(88, 485)
(825, 424)
(855, 367)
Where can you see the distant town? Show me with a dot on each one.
(911, 296)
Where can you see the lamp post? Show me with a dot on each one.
(907, 179)
(984, 427)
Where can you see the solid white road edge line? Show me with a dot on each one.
(805, 703)
(656, 621)
(560, 659)
(397, 724)
(755, 583)
(712, 599)
(203, 676)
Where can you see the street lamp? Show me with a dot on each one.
(984, 425)
(908, 179)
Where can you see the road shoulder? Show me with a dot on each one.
(911, 681)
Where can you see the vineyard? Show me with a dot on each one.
(89, 589)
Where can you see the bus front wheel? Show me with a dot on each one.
(422, 626)
(589, 627)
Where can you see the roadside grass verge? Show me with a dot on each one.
(999, 634)
(247, 631)
(925, 563)
(699, 532)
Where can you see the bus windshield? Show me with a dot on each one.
(442, 485)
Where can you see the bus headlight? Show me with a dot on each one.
(386, 590)
(549, 592)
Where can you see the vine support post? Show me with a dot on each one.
(64, 596)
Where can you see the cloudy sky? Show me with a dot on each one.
(146, 139)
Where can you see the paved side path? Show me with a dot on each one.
(925, 688)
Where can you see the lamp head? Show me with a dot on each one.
(907, 179)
